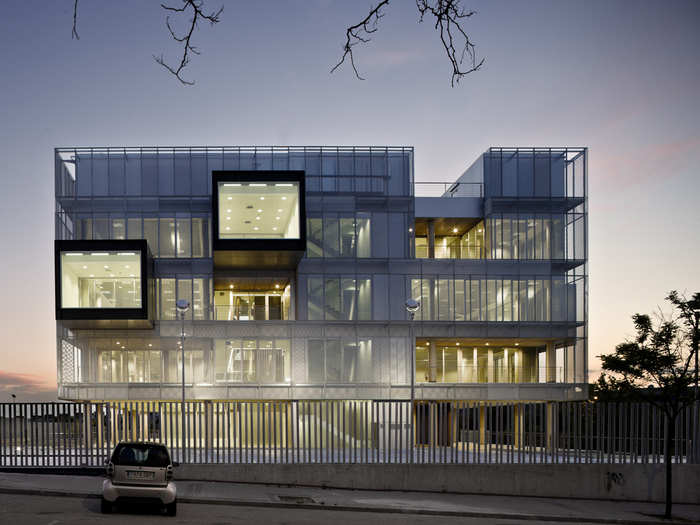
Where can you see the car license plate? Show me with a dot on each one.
(138, 474)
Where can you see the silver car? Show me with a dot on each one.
(140, 471)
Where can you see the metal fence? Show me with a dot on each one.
(74, 434)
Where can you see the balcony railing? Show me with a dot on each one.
(448, 189)
(489, 374)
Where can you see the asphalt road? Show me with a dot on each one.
(49, 510)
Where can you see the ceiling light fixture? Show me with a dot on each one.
(149, 344)
(228, 185)
(274, 228)
(277, 286)
(92, 275)
(230, 286)
(262, 198)
(284, 198)
(84, 267)
(259, 210)
(230, 198)
(228, 227)
(106, 267)
(256, 228)
(454, 230)
(257, 184)
(95, 253)
(279, 210)
(285, 184)
(277, 218)
(228, 211)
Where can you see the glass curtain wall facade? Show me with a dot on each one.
(335, 326)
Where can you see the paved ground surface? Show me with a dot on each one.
(26, 496)
(48, 510)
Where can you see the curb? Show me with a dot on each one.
(57, 471)
(351, 508)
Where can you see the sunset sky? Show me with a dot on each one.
(621, 78)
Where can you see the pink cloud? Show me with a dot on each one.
(23, 385)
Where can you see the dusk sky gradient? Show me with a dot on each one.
(622, 78)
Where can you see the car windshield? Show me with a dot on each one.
(141, 455)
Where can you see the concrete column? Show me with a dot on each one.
(517, 364)
(551, 363)
(432, 362)
(475, 367)
(431, 239)
(490, 369)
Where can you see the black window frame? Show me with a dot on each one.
(298, 245)
(134, 245)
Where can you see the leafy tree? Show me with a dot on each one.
(655, 367)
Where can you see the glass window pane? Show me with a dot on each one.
(332, 306)
(315, 298)
(184, 245)
(347, 237)
(100, 280)
(118, 229)
(364, 299)
(333, 360)
(259, 210)
(315, 361)
(198, 237)
(167, 238)
(331, 237)
(167, 299)
(133, 230)
(150, 233)
(314, 237)
(364, 241)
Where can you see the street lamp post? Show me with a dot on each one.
(696, 398)
(696, 342)
(412, 306)
(182, 305)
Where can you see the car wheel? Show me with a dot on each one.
(171, 508)
(105, 506)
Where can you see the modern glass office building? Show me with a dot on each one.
(297, 263)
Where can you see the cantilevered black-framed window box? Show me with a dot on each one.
(259, 219)
(104, 284)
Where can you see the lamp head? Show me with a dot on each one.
(412, 305)
(182, 305)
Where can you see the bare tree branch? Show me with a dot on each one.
(449, 15)
(74, 33)
(359, 34)
(185, 39)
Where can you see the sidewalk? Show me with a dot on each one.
(501, 507)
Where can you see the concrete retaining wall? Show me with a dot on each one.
(610, 482)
